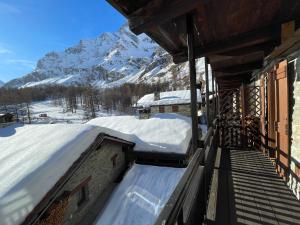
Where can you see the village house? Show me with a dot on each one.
(88, 183)
(63, 180)
(279, 86)
(6, 118)
(65, 173)
(250, 171)
(167, 102)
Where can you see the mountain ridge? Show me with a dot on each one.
(108, 60)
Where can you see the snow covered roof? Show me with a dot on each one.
(140, 196)
(168, 133)
(32, 160)
(34, 157)
(168, 98)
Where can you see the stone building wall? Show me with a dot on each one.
(183, 109)
(102, 172)
(295, 128)
(97, 174)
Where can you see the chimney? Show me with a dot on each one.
(156, 96)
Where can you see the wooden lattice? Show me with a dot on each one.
(252, 116)
(240, 117)
(230, 113)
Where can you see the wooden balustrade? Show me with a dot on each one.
(188, 202)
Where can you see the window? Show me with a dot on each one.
(161, 109)
(82, 195)
(113, 159)
(174, 108)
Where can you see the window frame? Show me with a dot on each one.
(82, 196)
(175, 108)
(161, 109)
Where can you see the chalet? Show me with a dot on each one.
(43, 115)
(66, 181)
(247, 168)
(166, 102)
(6, 118)
(62, 180)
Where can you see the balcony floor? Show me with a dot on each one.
(247, 190)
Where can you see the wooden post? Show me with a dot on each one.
(213, 92)
(192, 68)
(243, 133)
(216, 98)
(207, 93)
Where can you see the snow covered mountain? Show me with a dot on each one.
(108, 60)
(1, 83)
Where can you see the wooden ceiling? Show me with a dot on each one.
(235, 35)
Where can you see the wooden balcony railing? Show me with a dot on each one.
(188, 203)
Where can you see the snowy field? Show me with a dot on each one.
(58, 114)
(141, 195)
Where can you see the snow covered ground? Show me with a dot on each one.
(58, 114)
(161, 133)
(141, 195)
(55, 114)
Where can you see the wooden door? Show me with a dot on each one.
(271, 113)
(281, 123)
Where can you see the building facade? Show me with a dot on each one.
(82, 191)
(279, 84)
(166, 102)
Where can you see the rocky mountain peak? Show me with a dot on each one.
(107, 60)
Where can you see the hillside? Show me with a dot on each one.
(105, 61)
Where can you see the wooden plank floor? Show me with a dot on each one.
(247, 190)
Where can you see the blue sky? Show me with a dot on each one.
(31, 28)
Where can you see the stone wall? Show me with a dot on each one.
(295, 128)
(183, 109)
(98, 173)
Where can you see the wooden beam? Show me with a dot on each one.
(248, 39)
(287, 30)
(266, 48)
(234, 78)
(193, 89)
(229, 61)
(229, 83)
(248, 67)
(158, 12)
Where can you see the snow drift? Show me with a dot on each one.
(141, 195)
(169, 133)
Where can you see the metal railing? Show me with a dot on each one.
(188, 202)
